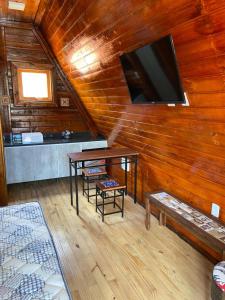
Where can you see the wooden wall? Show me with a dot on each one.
(20, 43)
(182, 148)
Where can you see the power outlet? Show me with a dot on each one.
(215, 210)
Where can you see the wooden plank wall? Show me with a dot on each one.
(22, 45)
(182, 148)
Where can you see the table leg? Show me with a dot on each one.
(123, 203)
(126, 174)
(135, 180)
(148, 214)
(71, 182)
(76, 187)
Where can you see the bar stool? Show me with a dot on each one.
(218, 282)
(89, 176)
(109, 189)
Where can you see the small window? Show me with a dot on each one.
(34, 85)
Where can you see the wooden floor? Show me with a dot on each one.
(117, 259)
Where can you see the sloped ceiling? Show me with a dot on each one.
(181, 147)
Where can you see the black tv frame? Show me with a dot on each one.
(182, 91)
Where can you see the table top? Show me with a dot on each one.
(102, 154)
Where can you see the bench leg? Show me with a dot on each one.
(162, 218)
(148, 214)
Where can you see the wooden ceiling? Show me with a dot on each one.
(34, 11)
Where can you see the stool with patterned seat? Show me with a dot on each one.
(218, 282)
(110, 189)
(89, 176)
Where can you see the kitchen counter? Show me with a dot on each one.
(77, 138)
(47, 160)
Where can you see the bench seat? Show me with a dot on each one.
(206, 227)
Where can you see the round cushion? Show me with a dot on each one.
(219, 275)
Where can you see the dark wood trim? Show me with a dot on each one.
(75, 98)
(3, 186)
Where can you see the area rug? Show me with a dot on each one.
(29, 264)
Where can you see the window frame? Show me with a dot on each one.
(19, 100)
(34, 99)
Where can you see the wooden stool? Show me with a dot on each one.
(103, 189)
(218, 282)
(91, 175)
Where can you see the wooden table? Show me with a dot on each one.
(107, 154)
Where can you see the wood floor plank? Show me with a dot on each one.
(117, 259)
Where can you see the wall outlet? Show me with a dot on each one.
(215, 210)
(123, 164)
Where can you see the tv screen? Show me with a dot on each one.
(152, 73)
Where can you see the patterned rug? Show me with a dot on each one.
(29, 264)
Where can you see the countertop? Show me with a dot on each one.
(58, 140)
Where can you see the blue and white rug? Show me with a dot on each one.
(29, 265)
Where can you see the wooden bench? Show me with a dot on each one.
(205, 227)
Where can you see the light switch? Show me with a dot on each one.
(215, 210)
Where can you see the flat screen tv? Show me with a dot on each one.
(152, 74)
